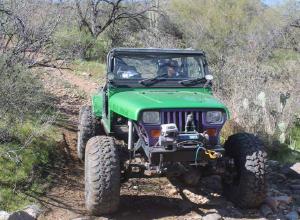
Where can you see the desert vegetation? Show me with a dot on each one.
(253, 51)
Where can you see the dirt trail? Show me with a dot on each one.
(65, 199)
(153, 198)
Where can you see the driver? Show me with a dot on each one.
(172, 69)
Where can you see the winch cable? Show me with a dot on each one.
(197, 151)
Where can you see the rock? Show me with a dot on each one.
(295, 187)
(286, 169)
(272, 203)
(298, 210)
(4, 215)
(296, 168)
(195, 198)
(126, 213)
(283, 207)
(284, 199)
(273, 164)
(286, 191)
(294, 181)
(169, 185)
(173, 191)
(33, 211)
(135, 187)
(193, 216)
(81, 218)
(292, 171)
(292, 216)
(279, 177)
(21, 215)
(276, 192)
(191, 177)
(296, 195)
(185, 207)
(213, 182)
(212, 216)
(265, 210)
(86, 74)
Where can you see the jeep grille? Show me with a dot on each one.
(179, 118)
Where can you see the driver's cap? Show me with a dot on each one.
(173, 63)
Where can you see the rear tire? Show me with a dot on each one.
(102, 175)
(248, 187)
(86, 129)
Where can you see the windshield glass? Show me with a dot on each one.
(169, 68)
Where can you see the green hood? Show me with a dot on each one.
(130, 103)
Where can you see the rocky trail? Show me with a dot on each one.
(155, 198)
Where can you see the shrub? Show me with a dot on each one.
(262, 97)
(26, 138)
(72, 43)
(23, 160)
(21, 92)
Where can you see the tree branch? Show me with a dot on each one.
(103, 13)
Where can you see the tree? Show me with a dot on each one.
(23, 38)
(24, 42)
(97, 15)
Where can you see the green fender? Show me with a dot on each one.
(97, 104)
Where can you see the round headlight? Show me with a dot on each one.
(151, 117)
(214, 117)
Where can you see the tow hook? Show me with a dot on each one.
(213, 154)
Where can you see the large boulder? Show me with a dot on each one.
(4, 215)
(292, 171)
(296, 168)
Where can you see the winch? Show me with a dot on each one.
(171, 138)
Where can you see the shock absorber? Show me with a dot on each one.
(130, 135)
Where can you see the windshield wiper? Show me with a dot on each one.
(195, 81)
(151, 81)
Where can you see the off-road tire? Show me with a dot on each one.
(86, 129)
(248, 188)
(191, 178)
(102, 175)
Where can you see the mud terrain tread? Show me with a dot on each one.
(102, 175)
(250, 158)
(86, 129)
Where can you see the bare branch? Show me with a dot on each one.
(103, 13)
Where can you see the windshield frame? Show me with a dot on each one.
(137, 52)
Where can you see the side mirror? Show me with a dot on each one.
(110, 76)
(209, 77)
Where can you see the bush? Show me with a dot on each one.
(23, 160)
(294, 137)
(289, 152)
(21, 92)
(73, 44)
(26, 138)
(262, 97)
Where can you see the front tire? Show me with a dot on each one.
(102, 175)
(247, 188)
(86, 129)
(191, 177)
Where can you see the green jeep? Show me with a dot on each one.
(156, 116)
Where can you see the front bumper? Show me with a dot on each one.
(184, 154)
